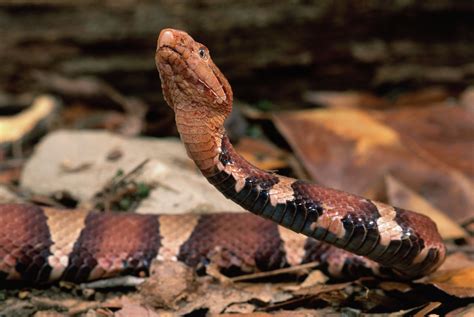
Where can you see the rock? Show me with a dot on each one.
(7, 197)
(81, 163)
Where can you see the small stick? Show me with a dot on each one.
(285, 270)
(121, 281)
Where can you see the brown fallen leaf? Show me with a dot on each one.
(458, 282)
(130, 308)
(457, 260)
(427, 309)
(454, 277)
(169, 283)
(353, 150)
(400, 195)
(467, 311)
(71, 305)
(216, 298)
(345, 99)
(321, 288)
(335, 145)
(287, 313)
(395, 286)
(422, 97)
(262, 154)
(314, 278)
(240, 308)
(49, 313)
(442, 134)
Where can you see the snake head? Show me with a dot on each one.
(188, 75)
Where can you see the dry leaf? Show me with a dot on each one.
(314, 278)
(169, 283)
(286, 313)
(240, 308)
(457, 260)
(395, 286)
(422, 97)
(337, 146)
(455, 276)
(130, 308)
(216, 298)
(427, 309)
(262, 154)
(467, 311)
(345, 99)
(353, 150)
(442, 134)
(49, 313)
(400, 195)
(458, 282)
(321, 288)
(14, 128)
(174, 285)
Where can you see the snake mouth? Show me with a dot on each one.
(173, 51)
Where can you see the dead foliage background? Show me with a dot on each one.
(370, 98)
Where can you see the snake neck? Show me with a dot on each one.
(202, 135)
(207, 144)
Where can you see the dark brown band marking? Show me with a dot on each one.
(111, 243)
(219, 238)
(24, 243)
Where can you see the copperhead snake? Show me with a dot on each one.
(46, 244)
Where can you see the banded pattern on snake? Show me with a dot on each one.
(44, 244)
(406, 242)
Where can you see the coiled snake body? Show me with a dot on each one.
(44, 244)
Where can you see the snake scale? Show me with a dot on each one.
(45, 244)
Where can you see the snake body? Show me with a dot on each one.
(401, 241)
(44, 244)
(41, 245)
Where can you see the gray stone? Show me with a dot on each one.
(79, 162)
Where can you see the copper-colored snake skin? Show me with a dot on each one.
(44, 244)
(404, 241)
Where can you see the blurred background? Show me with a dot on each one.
(271, 51)
(405, 66)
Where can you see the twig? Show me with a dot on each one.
(285, 270)
(121, 281)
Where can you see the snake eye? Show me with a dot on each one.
(202, 52)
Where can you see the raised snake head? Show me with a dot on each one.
(189, 77)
